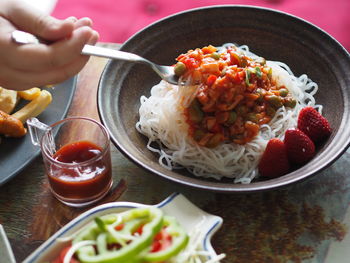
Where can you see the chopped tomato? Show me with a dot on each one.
(211, 80)
(190, 63)
(209, 49)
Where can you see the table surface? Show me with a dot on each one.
(305, 222)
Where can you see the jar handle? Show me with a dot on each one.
(38, 129)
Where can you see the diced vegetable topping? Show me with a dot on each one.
(236, 94)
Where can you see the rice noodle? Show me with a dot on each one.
(163, 122)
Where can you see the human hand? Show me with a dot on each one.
(26, 66)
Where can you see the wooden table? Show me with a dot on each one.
(308, 219)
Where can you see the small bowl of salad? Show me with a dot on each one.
(133, 232)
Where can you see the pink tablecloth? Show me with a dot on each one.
(116, 20)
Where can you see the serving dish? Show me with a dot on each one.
(177, 205)
(5, 248)
(17, 153)
(269, 33)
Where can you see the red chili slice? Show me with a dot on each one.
(63, 253)
(161, 241)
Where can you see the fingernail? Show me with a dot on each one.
(72, 18)
(86, 21)
(83, 22)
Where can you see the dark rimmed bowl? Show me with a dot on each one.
(269, 33)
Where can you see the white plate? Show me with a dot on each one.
(188, 215)
(5, 248)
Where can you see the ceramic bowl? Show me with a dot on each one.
(177, 205)
(269, 33)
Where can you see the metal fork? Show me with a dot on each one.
(165, 72)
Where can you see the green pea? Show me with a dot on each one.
(270, 111)
(195, 113)
(274, 101)
(241, 110)
(283, 92)
(232, 118)
(198, 135)
(291, 103)
(179, 69)
(215, 55)
(252, 117)
(214, 140)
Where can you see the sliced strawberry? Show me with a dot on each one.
(313, 124)
(300, 148)
(274, 161)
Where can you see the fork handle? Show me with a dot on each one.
(112, 53)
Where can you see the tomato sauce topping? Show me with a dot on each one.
(236, 95)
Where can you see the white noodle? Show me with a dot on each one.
(71, 251)
(163, 122)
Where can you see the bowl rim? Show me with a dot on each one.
(217, 186)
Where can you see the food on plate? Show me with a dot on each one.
(137, 235)
(29, 94)
(313, 124)
(12, 126)
(300, 148)
(274, 161)
(34, 107)
(299, 145)
(229, 104)
(8, 100)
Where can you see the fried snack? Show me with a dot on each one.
(8, 100)
(11, 126)
(29, 94)
(35, 107)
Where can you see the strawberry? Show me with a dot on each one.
(274, 161)
(300, 148)
(313, 124)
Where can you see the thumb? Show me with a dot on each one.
(27, 18)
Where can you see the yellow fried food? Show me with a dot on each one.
(29, 94)
(8, 100)
(34, 107)
(11, 126)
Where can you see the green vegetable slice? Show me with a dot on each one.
(153, 218)
(179, 242)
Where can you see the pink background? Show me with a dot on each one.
(117, 20)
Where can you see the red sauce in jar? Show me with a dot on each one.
(75, 178)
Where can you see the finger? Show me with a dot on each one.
(41, 57)
(34, 21)
(85, 21)
(22, 80)
(72, 18)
